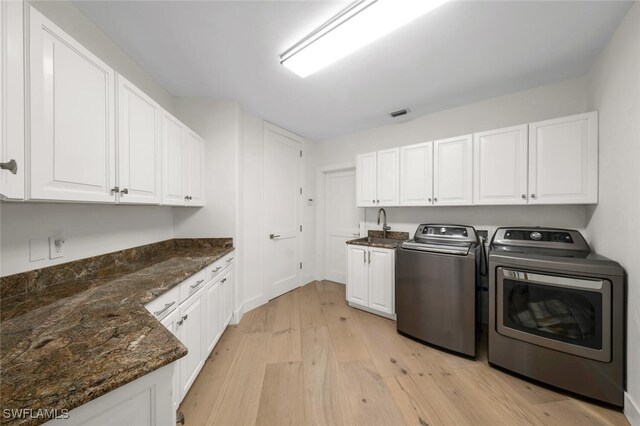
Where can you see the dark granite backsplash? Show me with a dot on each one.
(92, 267)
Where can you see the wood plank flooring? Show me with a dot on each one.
(307, 358)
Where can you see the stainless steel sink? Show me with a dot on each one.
(381, 241)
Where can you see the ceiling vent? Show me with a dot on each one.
(400, 113)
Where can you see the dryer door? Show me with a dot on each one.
(563, 313)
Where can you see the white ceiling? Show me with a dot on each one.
(462, 52)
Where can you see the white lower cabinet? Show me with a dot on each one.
(371, 279)
(190, 332)
(212, 316)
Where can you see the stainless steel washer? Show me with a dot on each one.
(436, 276)
(556, 311)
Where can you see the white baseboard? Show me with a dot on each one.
(237, 315)
(254, 303)
(631, 410)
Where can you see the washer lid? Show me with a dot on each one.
(541, 240)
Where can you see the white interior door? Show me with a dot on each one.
(342, 222)
(282, 195)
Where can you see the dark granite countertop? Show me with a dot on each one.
(67, 341)
(375, 239)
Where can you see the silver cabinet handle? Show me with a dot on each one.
(180, 322)
(185, 317)
(533, 195)
(217, 269)
(224, 280)
(274, 236)
(124, 191)
(369, 257)
(115, 189)
(197, 284)
(231, 258)
(356, 234)
(10, 165)
(364, 256)
(163, 310)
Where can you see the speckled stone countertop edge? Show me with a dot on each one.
(24, 389)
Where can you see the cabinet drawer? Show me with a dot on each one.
(165, 304)
(192, 284)
(218, 266)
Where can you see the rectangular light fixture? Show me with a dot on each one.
(361, 23)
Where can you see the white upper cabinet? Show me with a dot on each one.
(563, 160)
(388, 179)
(378, 178)
(416, 175)
(366, 177)
(11, 100)
(500, 166)
(453, 171)
(139, 146)
(72, 144)
(193, 152)
(172, 161)
(183, 177)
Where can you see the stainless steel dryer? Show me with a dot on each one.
(556, 311)
(436, 276)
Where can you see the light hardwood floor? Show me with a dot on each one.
(306, 358)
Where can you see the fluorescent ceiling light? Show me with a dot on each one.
(359, 24)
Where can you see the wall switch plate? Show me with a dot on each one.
(38, 249)
(56, 247)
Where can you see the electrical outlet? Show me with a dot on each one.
(56, 247)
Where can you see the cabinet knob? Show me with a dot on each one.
(124, 191)
(524, 197)
(115, 189)
(373, 201)
(10, 165)
(435, 200)
(533, 195)
(429, 199)
(377, 201)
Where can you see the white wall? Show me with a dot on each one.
(614, 90)
(252, 141)
(549, 101)
(217, 123)
(89, 229)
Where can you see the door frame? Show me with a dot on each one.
(268, 127)
(321, 172)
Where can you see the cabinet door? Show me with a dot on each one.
(500, 166)
(366, 180)
(195, 169)
(358, 275)
(72, 144)
(226, 282)
(12, 99)
(212, 329)
(171, 323)
(190, 333)
(563, 160)
(172, 161)
(388, 183)
(139, 145)
(416, 175)
(453, 166)
(382, 280)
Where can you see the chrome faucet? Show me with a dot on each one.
(385, 227)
